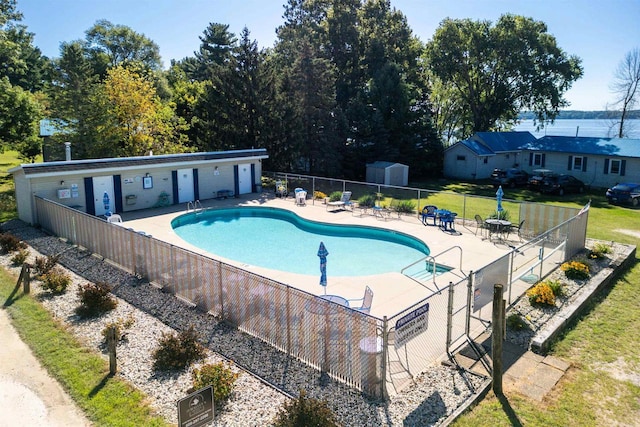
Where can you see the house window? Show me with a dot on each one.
(461, 158)
(485, 161)
(537, 159)
(577, 163)
(614, 167)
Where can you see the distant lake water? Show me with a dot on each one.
(569, 127)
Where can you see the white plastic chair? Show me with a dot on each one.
(114, 219)
(367, 300)
(301, 198)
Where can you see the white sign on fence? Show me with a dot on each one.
(412, 325)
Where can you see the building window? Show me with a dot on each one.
(614, 167)
(577, 163)
(485, 161)
(537, 159)
(461, 158)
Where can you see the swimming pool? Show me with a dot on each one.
(279, 239)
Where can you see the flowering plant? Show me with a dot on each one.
(541, 294)
(575, 270)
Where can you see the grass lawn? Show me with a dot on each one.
(602, 346)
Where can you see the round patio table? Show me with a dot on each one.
(497, 226)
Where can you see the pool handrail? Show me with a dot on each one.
(432, 259)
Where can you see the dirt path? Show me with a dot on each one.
(28, 394)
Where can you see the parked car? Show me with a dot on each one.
(509, 178)
(624, 193)
(561, 184)
(537, 178)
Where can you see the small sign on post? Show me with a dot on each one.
(196, 409)
(411, 325)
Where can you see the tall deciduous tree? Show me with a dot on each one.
(497, 71)
(626, 86)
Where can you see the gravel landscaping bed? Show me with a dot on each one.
(436, 394)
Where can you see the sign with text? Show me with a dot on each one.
(196, 409)
(411, 325)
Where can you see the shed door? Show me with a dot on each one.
(185, 185)
(102, 185)
(244, 179)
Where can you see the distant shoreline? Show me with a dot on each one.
(585, 115)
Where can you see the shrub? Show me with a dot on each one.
(120, 325)
(503, 214)
(10, 243)
(43, 265)
(599, 250)
(404, 206)
(557, 287)
(177, 351)
(515, 322)
(319, 195)
(541, 294)
(336, 196)
(219, 375)
(575, 270)
(305, 412)
(95, 299)
(55, 281)
(368, 201)
(20, 257)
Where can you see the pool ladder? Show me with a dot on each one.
(196, 206)
(431, 267)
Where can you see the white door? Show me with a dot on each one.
(244, 179)
(185, 185)
(103, 185)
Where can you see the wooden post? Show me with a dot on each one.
(26, 278)
(497, 336)
(111, 344)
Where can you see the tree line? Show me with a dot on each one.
(346, 83)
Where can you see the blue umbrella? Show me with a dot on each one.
(322, 253)
(499, 195)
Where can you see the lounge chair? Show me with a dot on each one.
(367, 300)
(301, 197)
(429, 211)
(344, 203)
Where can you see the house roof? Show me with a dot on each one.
(504, 141)
(623, 147)
(132, 162)
(477, 147)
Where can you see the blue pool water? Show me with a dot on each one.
(280, 240)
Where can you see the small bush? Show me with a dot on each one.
(541, 294)
(10, 243)
(556, 286)
(368, 200)
(220, 376)
(43, 265)
(503, 214)
(120, 325)
(404, 206)
(177, 351)
(575, 270)
(20, 257)
(336, 196)
(95, 299)
(515, 322)
(305, 412)
(319, 195)
(599, 250)
(55, 281)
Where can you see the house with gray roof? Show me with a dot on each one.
(476, 157)
(98, 186)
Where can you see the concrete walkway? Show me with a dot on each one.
(29, 396)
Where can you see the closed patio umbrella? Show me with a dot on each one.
(499, 195)
(322, 253)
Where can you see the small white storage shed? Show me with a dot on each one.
(388, 173)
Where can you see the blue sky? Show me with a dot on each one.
(600, 32)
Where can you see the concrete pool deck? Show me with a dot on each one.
(388, 300)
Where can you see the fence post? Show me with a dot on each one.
(385, 352)
(26, 279)
(111, 344)
(467, 327)
(497, 337)
(449, 315)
